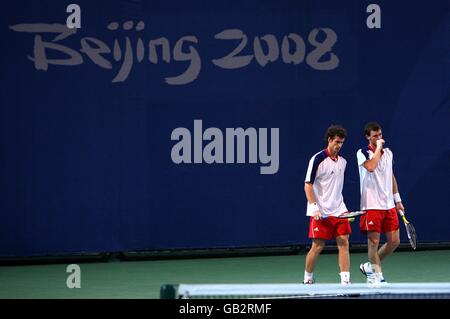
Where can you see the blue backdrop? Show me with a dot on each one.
(87, 117)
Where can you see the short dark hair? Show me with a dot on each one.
(371, 126)
(335, 130)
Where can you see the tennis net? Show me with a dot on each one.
(316, 291)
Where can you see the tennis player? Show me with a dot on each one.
(380, 199)
(323, 188)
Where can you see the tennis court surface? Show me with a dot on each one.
(410, 270)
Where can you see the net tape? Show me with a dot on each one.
(395, 290)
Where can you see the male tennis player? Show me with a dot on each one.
(380, 199)
(323, 188)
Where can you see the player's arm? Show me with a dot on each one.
(312, 205)
(309, 192)
(397, 199)
(394, 185)
(371, 164)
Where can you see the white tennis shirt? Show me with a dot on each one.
(376, 187)
(327, 176)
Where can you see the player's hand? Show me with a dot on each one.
(380, 143)
(317, 215)
(400, 206)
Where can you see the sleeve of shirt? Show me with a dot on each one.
(362, 157)
(312, 170)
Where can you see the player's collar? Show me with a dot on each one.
(373, 150)
(329, 155)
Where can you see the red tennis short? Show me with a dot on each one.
(328, 228)
(380, 221)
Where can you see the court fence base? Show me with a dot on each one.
(197, 253)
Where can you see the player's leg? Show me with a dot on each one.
(392, 242)
(311, 259)
(371, 224)
(373, 241)
(343, 258)
(373, 268)
(391, 228)
(342, 234)
(319, 232)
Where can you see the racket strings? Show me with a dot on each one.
(411, 232)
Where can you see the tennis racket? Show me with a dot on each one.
(352, 214)
(410, 231)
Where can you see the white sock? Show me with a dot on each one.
(308, 276)
(345, 276)
(376, 268)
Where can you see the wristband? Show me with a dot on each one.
(312, 208)
(397, 198)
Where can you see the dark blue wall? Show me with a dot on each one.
(86, 163)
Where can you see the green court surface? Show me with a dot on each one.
(143, 279)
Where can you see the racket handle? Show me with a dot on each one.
(402, 213)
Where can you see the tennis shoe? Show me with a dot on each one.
(366, 269)
(383, 281)
(373, 280)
